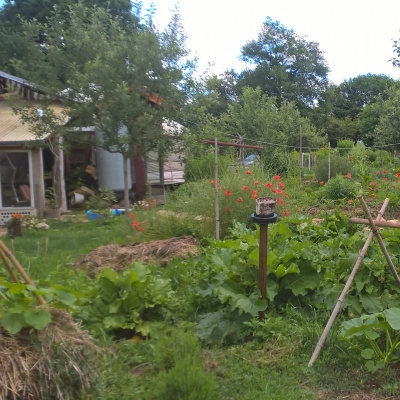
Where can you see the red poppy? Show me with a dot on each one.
(398, 175)
(226, 209)
(385, 179)
(254, 194)
(256, 183)
(277, 177)
(286, 195)
(131, 215)
(378, 172)
(245, 187)
(348, 176)
(269, 185)
(140, 229)
(213, 182)
(135, 224)
(240, 200)
(228, 193)
(280, 201)
(384, 171)
(321, 183)
(248, 172)
(372, 194)
(219, 187)
(286, 213)
(279, 191)
(281, 185)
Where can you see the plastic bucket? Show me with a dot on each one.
(77, 198)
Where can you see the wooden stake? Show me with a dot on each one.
(19, 268)
(12, 246)
(8, 267)
(346, 289)
(46, 247)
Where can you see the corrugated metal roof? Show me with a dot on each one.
(12, 130)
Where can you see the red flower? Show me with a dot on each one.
(385, 179)
(348, 176)
(254, 194)
(131, 215)
(384, 171)
(286, 195)
(281, 185)
(286, 213)
(372, 194)
(398, 175)
(273, 190)
(277, 177)
(378, 172)
(240, 200)
(248, 172)
(279, 191)
(245, 187)
(256, 183)
(269, 184)
(140, 229)
(280, 201)
(228, 193)
(213, 182)
(135, 224)
(226, 209)
(219, 187)
(321, 183)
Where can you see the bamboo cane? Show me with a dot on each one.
(388, 224)
(8, 267)
(18, 266)
(380, 241)
(345, 289)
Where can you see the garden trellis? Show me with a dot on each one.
(373, 232)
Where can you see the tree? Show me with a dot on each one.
(354, 94)
(387, 130)
(287, 66)
(257, 119)
(128, 78)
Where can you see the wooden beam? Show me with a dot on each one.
(388, 224)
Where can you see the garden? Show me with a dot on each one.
(150, 305)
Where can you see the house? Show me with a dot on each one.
(29, 166)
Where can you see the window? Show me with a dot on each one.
(15, 179)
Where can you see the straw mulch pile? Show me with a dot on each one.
(120, 257)
(58, 362)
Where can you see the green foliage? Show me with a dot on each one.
(340, 188)
(130, 301)
(338, 166)
(186, 381)
(344, 146)
(382, 332)
(178, 355)
(19, 308)
(102, 200)
(197, 169)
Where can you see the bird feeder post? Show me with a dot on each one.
(264, 215)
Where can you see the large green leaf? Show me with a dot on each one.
(393, 317)
(38, 320)
(66, 297)
(12, 322)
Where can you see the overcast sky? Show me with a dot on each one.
(355, 35)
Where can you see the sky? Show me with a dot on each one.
(356, 36)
